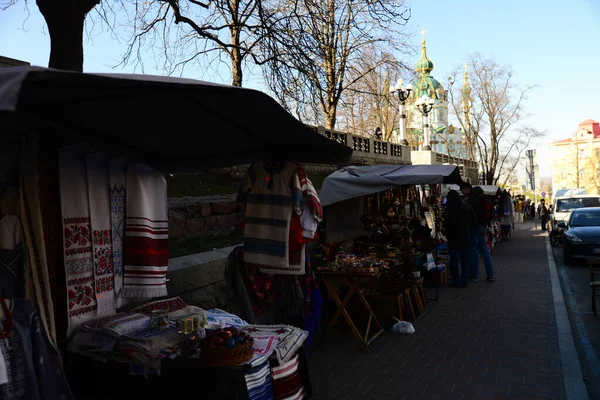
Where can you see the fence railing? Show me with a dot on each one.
(364, 147)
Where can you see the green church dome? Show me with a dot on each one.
(424, 65)
(426, 84)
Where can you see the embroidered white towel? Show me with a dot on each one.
(118, 192)
(146, 233)
(99, 198)
(77, 236)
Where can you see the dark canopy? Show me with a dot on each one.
(351, 182)
(176, 124)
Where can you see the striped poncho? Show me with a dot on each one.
(272, 197)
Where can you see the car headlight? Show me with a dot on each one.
(573, 238)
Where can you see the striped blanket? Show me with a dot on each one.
(146, 233)
(287, 383)
(272, 197)
(259, 382)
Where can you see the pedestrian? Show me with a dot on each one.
(542, 211)
(479, 245)
(459, 221)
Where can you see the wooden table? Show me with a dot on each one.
(354, 281)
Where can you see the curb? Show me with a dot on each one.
(575, 387)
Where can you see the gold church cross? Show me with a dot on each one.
(423, 31)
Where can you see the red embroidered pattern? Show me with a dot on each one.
(77, 235)
(101, 238)
(81, 295)
(103, 261)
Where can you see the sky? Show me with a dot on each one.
(552, 44)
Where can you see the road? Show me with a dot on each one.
(575, 281)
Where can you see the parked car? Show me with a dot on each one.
(581, 234)
(563, 206)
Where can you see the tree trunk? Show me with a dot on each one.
(65, 20)
(237, 74)
(330, 116)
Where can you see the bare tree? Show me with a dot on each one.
(368, 103)
(179, 32)
(493, 117)
(65, 21)
(316, 47)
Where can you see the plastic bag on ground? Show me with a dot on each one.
(403, 328)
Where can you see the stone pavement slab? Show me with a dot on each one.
(488, 341)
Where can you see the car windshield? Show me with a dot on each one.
(585, 218)
(574, 203)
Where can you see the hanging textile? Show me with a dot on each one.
(77, 236)
(259, 382)
(312, 214)
(287, 384)
(118, 191)
(272, 195)
(146, 233)
(53, 227)
(37, 268)
(100, 212)
(33, 368)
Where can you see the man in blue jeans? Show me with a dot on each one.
(459, 220)
(479, 245)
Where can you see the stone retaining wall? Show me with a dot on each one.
(200, 279)
(200, 215)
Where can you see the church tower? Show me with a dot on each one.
(427, 85)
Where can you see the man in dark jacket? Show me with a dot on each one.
(479, 245)
(459, 222)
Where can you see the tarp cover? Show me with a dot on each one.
(176, 124)
(351, 182)
(490, 190)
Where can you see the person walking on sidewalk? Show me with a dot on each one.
(476, 199)
(459, 221)
(543, 213)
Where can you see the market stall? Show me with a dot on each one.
(383, 232)
(84, 230)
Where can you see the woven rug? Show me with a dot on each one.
(99, 198)
(146, 233)
(77, 235)
(118, 192)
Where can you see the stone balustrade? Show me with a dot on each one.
(368, 151)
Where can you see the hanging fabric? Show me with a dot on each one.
(100, 211)
(272, 197)
(32, 366)
(77, 235)
(312, 214)
(36, 270)
(118, 191)
(146, 233)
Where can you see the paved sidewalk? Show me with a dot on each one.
(488, 341)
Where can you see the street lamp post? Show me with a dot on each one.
(425, 105)
(403, 93)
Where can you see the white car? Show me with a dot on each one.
(564, 206)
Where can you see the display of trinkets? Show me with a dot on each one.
(159, 318)
(190, 323)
